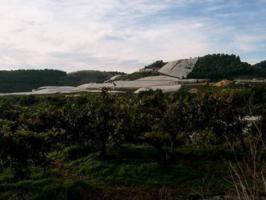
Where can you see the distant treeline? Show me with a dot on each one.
(216, 66)
(26, 80)
(220, 66)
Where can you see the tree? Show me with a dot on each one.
(124, 122)
(150, 112)
(176, 123)
(102, 123)
(226, 120)
(20, 150)
(219, 66)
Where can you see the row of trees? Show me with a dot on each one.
(29, 132)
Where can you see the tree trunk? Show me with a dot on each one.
(172, 143)
(103, 150)
(163, 155)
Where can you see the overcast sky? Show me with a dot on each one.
(124, 35)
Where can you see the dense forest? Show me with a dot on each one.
(26, 80)
(260, 69)
(82, 77)
(222, 66)
(261, 65)
(183, 145)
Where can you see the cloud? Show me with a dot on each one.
(250, 43)
(120, 34)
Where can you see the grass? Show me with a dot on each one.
(134, 170)
(144, 174)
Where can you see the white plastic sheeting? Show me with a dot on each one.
(144, 82)
(179, 68)
(165, 89)
(158, 78)
(169, 82)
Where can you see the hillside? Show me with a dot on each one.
(260, 69)
(216, 66)
(261, 65)
(81, 77)
(26, 80)
(219, 66)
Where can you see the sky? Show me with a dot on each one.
(125, 35)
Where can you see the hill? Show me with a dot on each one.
(260, 69)
(216, 66)
(219, 66)
(261, 65)
(81, 77)
(26, 80)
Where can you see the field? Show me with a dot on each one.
(183, 145)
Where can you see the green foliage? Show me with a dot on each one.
(156, 65)
(147, 140)
(221, 66)
(74, 190)
(89, 76)
(19, 150)
(176, 123)
(261, 64)
(204, 138)
(260, 69)
(145, 171)
(102, 124)
(27, 80)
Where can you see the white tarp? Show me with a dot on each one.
(165, 89)
(179, 68)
